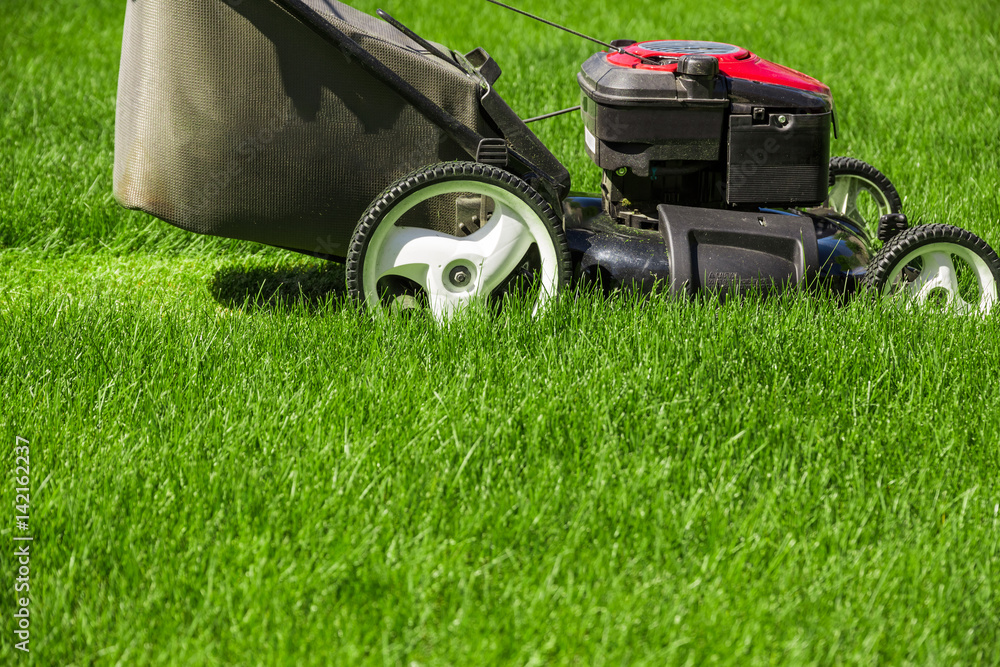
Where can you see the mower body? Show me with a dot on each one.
(281, 121)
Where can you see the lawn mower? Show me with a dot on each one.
(311, 126)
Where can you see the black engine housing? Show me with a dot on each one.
(696, 137)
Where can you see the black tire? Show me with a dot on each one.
(871, 180)
(455, 173)
(884, 276)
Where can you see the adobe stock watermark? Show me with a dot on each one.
(22, 544)
(752, 160)
(250, 149)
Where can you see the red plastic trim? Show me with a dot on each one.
(739, 65)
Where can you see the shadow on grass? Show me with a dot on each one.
(316, 286)
(276, 287)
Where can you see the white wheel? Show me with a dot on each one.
(937, 266)
(861, 193)
(402, 256)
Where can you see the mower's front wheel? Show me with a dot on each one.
(456, 232)
(937, 266)
(862, 193)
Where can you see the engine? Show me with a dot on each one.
(703, 124)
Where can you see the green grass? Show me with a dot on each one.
(232, 465)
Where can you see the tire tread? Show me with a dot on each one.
(855, 167)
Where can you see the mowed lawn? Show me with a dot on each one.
(232, 464)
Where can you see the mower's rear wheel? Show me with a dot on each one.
(862, 193)
(937, 266)
(401, 259)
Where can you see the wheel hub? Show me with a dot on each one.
(460, 276)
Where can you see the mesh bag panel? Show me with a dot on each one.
(235, 119)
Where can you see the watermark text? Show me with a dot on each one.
(22, 544)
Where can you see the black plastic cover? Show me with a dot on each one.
(746, 95)
(736, 251)
(783, 161)
(634, 116)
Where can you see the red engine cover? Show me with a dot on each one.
(734, 61)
